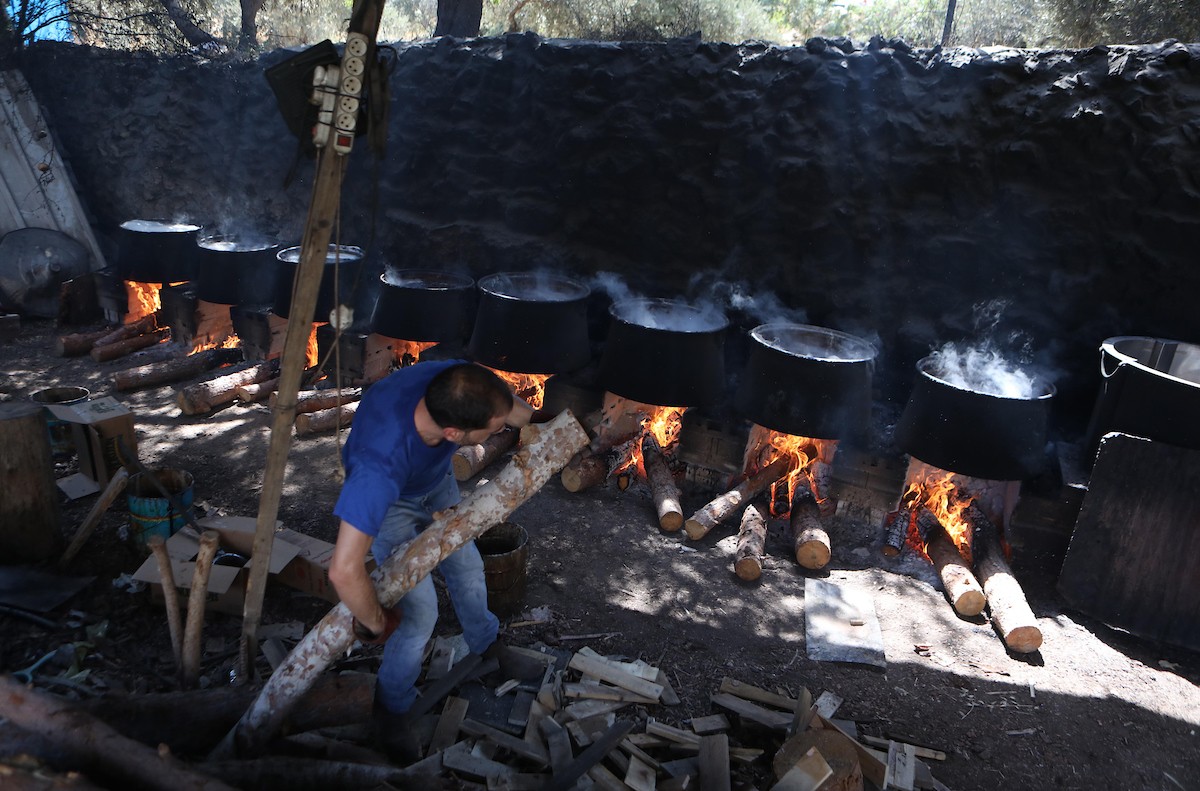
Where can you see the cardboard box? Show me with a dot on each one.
(226, 584)
(96, 428)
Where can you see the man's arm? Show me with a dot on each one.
(348, 573)
(520, 414)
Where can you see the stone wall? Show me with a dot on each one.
(873, 189)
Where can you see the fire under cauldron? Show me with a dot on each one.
(422, 305)
(531, 323)
(665, 353)
(156, 251)
(343, 264)
(807, 381)
(234, 270)
(972, 431)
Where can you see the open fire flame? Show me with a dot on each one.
(765, 445)
(938, 492)
(531, 387)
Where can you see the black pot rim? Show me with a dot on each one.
(865, 351)
(163, 226)
(533, 282)
(653, 303)
(1046, 389)
(425, 280)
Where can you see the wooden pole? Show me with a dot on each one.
(662, 486)
(314, 247)
(116, 485)
(490, 504)
(751, 544)
(28, 497)
(727, 504)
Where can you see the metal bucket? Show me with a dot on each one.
(151, 514)
(61, 443)
(505, 551)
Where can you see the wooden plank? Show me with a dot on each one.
(509, 742)
(713, 723)
(639, 776)
(1132, 562)
(840, 624)
(714, 763)
(746, 691)
(606, 672)
(446, 731)
(753, 712)
(807, 775)
(901, 767)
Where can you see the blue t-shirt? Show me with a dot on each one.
(384, 455)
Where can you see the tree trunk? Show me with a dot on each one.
(111, 351)
(459, 18)
(585, 470)
(727, 504)
(175, 370)
(28, 497)
(191, 32)
(751, 544)
(962, 589)
(94, 747)
(662, 486)
(811, 542)
(204, 396)
(490, 504)
(325, 419)
(470, 460)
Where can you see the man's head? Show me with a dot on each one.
(469, 402)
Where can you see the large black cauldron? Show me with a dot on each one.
(156, 251)
(664, 353)
(807, 381)
(531, 323)
(973, 432)
(421, 305)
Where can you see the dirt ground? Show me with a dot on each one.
(1095, 708)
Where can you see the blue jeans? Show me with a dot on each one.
(463, 572)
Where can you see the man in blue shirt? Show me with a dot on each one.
(398, 476)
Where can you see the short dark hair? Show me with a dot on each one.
(467, 396)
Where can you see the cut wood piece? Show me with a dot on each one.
(714, 762)
(662, 485)
(585, 470)
(256, 391)
(469, 460)
(83, 740)
(445, 733)
(807, 774)
(488, 505)
(809, 539)
(121, 348)
(606, 672)
(901, 767)
(1007, 606)
(751, 544)
(316, 400)
(639, 776)
(753, 712)
(962, 589)
(325, 419)
(154, 374)
(746, 691)
(78, 343)
(204, 396)
(115, 486)
(723, 507)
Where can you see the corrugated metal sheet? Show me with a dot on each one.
(35, 188)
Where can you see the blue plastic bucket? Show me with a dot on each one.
(61, 444)
(151, 514)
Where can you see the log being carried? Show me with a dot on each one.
(554, 444)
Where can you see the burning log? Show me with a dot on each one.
(316, 400)
(176, 370)
(256, 391)
(962, 589)
(813, 548)
(662, 485)
(78, 343)
(490, 504)
(325, 419)
(727, 504)
(1009, 610)
(111, 351)
(140, 327)
(468, 461)
(585, 470)
(204, 396)
(751, 544)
